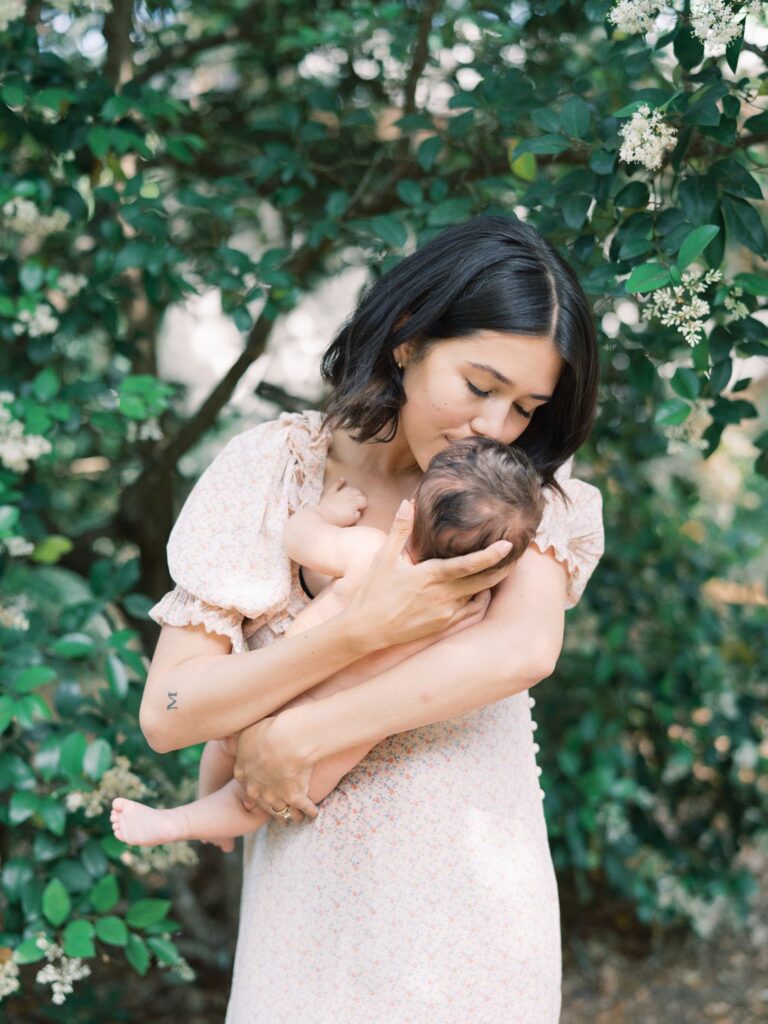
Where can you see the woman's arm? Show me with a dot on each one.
(196, 690)
(513, 648)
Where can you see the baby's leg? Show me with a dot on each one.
(220, 815)
(217, 763)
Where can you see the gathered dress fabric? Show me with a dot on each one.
(424, 892)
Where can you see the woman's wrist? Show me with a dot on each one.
(295, 733)
(357, 634)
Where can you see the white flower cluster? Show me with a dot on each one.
(612, 818)
(59, 975)
(646, 138)
(18, 449)
(733, 305)
(22, 216)
(10, 10)
(182, 969)
(36, 322)
(116, 781)
(680, 306)
(149, 430)
(705, 915)
(12, 615)
(9, 977)
(714, 22)
(146, 859)
(634, 15)
(70, 284)
(18, 546)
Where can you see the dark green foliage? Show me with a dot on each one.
(655, 737)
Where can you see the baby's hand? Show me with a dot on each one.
(342, 505)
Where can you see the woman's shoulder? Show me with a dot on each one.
(572, 527)
(225, 551)
(289, 431)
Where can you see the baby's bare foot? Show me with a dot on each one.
(139, 825)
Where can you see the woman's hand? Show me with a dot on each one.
(271, 770)
(398, 601)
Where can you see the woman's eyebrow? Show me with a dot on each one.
(504, 380)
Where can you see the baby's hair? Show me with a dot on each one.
(473, 493)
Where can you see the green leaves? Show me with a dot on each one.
(147, 912)
(672, 413)
(575, 117)
(56, 902)
(695, 243)
(647, 277)
(744, 223)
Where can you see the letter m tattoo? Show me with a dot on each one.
(172, 705)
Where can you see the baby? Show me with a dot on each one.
(474, 492)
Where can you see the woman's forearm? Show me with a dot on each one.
(515, 646)
(218, 694)
(444, 681)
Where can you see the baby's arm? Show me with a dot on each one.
(315, 537)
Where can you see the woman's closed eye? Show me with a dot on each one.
(484, 394)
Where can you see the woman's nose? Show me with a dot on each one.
(498, 428)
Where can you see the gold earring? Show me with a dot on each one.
(399, 366)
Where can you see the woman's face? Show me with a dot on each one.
(453, 393)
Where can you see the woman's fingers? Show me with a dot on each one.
(399, 532)
(305, 805)
(463, 566)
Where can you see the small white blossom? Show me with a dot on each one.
(12, 615)
(16, 448)
(731, 303)
(634, 15)
(146, 859)
(10, 10)
(646, 138)
(116, 781)
(147, 431)
(9, 977)
(70, 284)
(715, 24)
(680, 306)
(59, 975)
(22, 216)
(18, 546)
(36, 322)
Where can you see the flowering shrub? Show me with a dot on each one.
(201, 148)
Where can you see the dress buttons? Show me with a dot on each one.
(536, 747)
(534, 726)
(531, 702)
(541, 793)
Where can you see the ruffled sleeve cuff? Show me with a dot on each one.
(574, 533)
(181, 608)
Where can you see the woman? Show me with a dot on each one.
(423, 891)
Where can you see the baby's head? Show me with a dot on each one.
(473, 493)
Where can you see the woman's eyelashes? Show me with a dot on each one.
(484, 394)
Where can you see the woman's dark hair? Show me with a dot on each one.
(474, 492)
(492, 272)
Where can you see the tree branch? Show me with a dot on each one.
(176, 55)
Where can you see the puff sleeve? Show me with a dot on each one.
(574, 531)
(225, 551)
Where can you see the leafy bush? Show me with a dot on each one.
(257, 156)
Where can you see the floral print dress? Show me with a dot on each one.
(424, 893)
